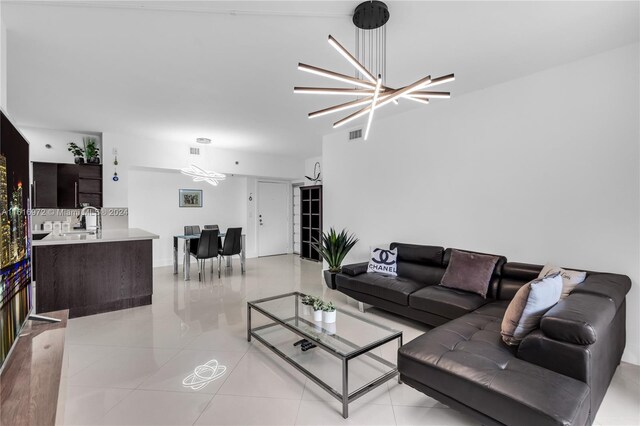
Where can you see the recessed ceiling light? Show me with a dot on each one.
(204, 141)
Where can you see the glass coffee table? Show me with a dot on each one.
(287, 329)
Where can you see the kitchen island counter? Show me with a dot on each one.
(107, 235)
(90, 274)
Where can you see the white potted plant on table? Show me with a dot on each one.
(328, 313)
(317, 309)
(307, 304)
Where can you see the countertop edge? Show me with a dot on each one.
(108, 236)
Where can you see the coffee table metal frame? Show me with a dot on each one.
(345, 397)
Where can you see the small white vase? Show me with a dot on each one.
(306, 310)
(317, 315)
(329, 317)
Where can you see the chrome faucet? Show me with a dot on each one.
(83, 213)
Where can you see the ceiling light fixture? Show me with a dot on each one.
(204, 141)
(371, 49)
(200, 175)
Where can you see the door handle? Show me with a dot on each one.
(75, 193)
(35, 197)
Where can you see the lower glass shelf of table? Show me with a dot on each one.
(343, 358)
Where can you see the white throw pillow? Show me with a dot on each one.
(570, 279)
(383, 261)
(528, 306)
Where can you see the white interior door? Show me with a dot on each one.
(274, 206)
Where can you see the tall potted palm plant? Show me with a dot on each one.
(333, 247)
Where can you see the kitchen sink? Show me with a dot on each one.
(72, 233)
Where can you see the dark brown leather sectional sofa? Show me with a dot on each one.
(558, 375)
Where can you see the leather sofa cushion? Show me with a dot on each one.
(420, 263)
(465, 359)
(426, 275)
(393, 289)
(413, 253)
(494, 309)
(539, 349)
(355, 268)
(446, 302)
(613, 286)
(514, 276)
(579, 318)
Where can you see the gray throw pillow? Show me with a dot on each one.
(528, 306)
(469, 272)
(570, 279)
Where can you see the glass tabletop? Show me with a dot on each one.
(196, 236)
(350, 334)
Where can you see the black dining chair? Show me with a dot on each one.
(232, 244)
(207, 248)
(215, 227)
(192, 230)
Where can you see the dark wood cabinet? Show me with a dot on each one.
(90, 185)
(310, 220)
(45, 185)
(66, 186)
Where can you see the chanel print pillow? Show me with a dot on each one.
(383, 261)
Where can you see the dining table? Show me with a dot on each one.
(187, 257)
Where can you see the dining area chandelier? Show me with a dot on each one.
(369, 83)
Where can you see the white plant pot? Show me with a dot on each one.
(317, 315)
(306, 310)
(329, 317)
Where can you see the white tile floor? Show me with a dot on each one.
(127, 367)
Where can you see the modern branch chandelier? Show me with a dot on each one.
(200, 175)
(370, 90)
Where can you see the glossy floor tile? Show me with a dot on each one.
(185, 360)
(142, 407)
(247, 410)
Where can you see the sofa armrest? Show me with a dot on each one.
(580, 318)
(562, 357)
(355, 268)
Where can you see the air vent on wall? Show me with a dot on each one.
(194, 150)
(355, 134)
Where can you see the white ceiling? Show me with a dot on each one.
(225, 70)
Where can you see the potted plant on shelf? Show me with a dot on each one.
(92, 151)
(307, 304)
(77, 152)
(328, 313)
(317, 309)
(333, 247)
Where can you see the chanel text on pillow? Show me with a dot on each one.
(383, 261)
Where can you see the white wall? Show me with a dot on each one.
(58, 139)
(545, 168)
(136, 151)
(153, 206)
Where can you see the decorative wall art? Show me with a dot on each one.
(190, 197)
